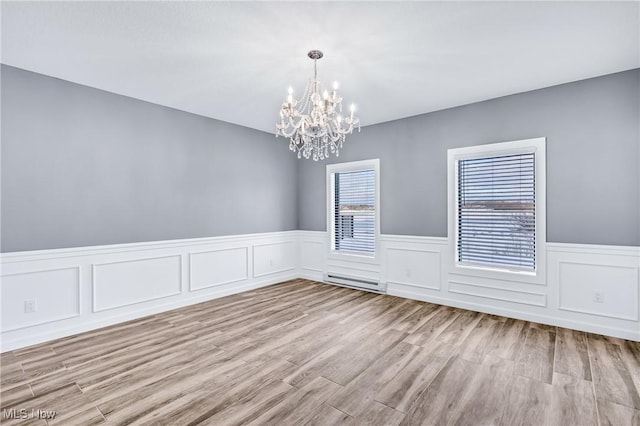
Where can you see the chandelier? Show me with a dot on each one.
(314, 124)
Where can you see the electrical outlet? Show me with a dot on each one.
(598, 296)
(407, 273)
(29, 306)
(272, 263)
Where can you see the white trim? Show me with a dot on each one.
(373, 164)
(594, 249)
(536, 146)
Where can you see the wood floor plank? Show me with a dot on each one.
(611, 414)
(480, 339)
(631, 359)
(11, 374)
(483, 403)
(334, 304)
(510, 339)
(435, 325)
(159, 394)
(414, 321)
(612, 379)
(360, 392)
(536, 358)
(355, 357)
(438, 403)
(377, 414)
(326, 415)
(68, 402)
(572, 354)
(528, 403)
(573, 402)
(303, 352)
(460, 328)
(251, 406)
(545, 327)
(301, 406)
(15, 396)
(216, 397)
(412, 380)
(9, 419)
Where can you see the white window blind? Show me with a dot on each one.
(354, 211)
(496, 211)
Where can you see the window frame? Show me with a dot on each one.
(534, 145)
(352, 166)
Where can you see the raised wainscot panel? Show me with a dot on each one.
(274, 257)
(218, 267)
(605, 290)
(414, 268)
(505, 291)
(312, 255)
(124, 283)
(51, 295)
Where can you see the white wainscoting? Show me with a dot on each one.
(217, 267)
(81, 289)
(273, 258)
(313, 254)
(117, 284)
(38, 287)
(419, 268)
(578, 271)
(315, 261)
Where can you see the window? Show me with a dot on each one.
(353, 207)
(497, 216)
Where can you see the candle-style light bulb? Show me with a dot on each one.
(352, 108)
(290, 96)
(335, 85)
(325, 94)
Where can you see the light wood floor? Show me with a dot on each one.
(302, 352)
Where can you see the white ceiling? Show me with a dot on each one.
(233, 61)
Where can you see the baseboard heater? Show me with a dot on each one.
(354, 282)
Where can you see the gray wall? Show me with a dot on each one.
(593, 160)
(84, 167)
